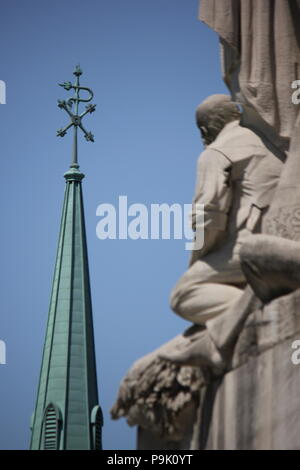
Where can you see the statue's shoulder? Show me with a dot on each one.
(234, 133)
(238, 142)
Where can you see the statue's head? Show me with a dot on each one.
(213, 114)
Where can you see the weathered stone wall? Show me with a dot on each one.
(256, 406)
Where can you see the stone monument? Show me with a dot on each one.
(231, 380)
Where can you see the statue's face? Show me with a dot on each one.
(212, 116)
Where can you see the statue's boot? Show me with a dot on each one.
(213, 348)
(201, 353)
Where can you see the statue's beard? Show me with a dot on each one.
(209, 137)
(208, 140)
(206, 135)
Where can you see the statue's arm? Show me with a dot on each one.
(214, 191)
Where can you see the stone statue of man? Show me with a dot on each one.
(236, 177)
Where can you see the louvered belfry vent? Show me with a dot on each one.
(51, 428)
(97, 423)
(98, 433)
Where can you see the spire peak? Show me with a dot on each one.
(75, 117)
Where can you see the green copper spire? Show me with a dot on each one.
(67, 413)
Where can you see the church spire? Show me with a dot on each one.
(67, 414)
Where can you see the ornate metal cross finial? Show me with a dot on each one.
(76, 119)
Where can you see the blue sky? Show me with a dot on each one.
(149, 64)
